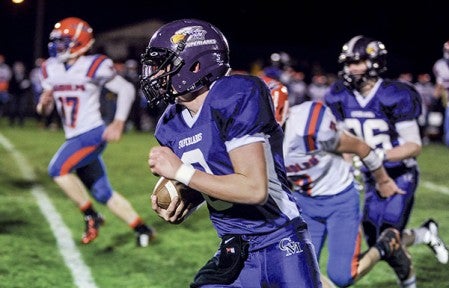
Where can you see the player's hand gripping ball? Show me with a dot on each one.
(166, 190)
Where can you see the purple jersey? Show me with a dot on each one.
(374, 117)
(205, 142)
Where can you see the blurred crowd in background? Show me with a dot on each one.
(20, 89)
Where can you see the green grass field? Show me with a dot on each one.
(29, 254)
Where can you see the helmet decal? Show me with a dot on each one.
(178, 37)
(195, 37)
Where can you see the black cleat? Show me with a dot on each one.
(144, 238)
(392, 251)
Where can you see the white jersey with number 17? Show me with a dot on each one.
(77, 89)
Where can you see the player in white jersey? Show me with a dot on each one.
(325, 189)
(73, 81)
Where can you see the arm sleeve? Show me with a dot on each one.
(409, 131)
(126, 93)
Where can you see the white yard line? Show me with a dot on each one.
(72, 257)
(436, 188)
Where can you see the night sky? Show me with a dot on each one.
(312, 32)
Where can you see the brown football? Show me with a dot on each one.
(166, 190)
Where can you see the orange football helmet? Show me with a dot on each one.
(279, 94)
(70, 38)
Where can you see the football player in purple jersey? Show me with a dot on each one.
(385, 114)
(219, 136)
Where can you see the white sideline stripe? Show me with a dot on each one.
(435, 187)
(72, 257)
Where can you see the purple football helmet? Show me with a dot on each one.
(182, 57)
(361, 48)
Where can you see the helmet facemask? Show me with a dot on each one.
(59, 47)
(158, 66)
(357, 81)
(360, 48)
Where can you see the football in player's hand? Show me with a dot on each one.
(166, 190)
